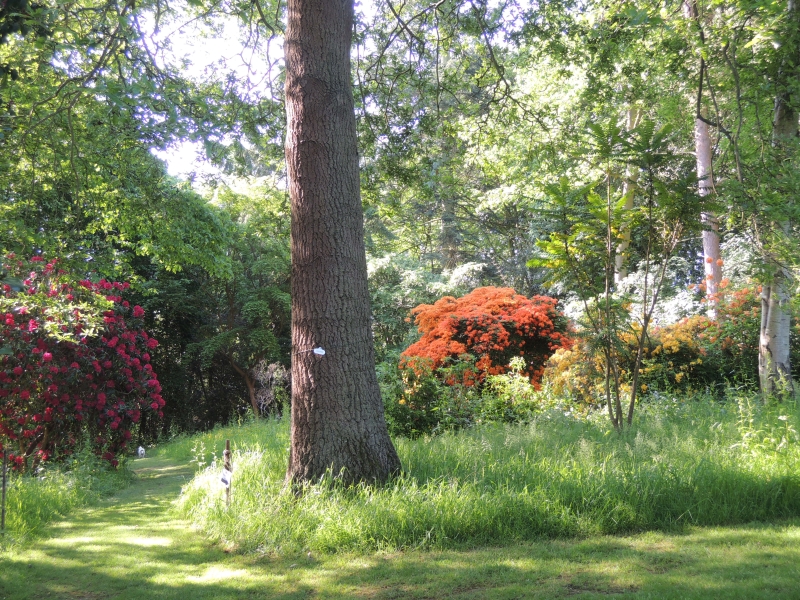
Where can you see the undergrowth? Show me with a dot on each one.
(684, 462)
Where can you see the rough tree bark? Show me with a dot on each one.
(337, 412)
(774, 365)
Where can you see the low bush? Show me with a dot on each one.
(694, 354)
(74, 362)
(492, 324)
(419, 400)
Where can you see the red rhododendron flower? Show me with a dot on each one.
(69, 388)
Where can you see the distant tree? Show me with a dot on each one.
(251, 319)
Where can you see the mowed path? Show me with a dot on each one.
(132, 547)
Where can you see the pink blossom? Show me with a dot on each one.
(47, 357)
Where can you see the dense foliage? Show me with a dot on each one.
(74, 364)
(489, 135)
(695, 354)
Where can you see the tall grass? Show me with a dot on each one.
(34, 501)
(683, 463)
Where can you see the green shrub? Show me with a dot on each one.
(417, 401)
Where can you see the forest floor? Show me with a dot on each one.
(132, 547)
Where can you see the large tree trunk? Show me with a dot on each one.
(337, 413)
(774, 365)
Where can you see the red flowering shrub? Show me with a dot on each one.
(493, 325)
(73, 362)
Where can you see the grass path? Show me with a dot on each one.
(132, 547)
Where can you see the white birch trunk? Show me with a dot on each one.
(774, 364)
(711, 254)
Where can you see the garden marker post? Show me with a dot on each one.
(3, 503)
(226, 459)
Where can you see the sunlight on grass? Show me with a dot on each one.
(147, 541)
(217, 573)
(755, 560)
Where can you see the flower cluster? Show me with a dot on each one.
(493, 325)
(696, 353)
(74, 362)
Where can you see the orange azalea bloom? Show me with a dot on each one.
(490, 321)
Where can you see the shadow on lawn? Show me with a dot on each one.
(130, 547)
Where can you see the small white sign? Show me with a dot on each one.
(319, 351)
(226, 478)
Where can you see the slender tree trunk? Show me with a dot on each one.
(249, 381)
(628, 192)
(337, 412)
(712, 266)
(711, 254)
(449, 238)
(774, 365)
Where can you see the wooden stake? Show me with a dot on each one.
(3, 503)
(226, 457)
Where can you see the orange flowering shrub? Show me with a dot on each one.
(493, 325)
